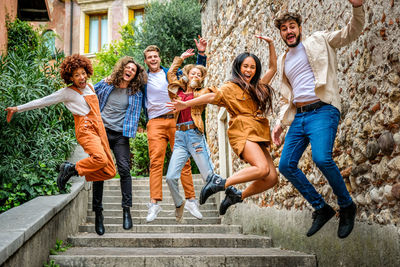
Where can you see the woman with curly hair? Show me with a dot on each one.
(246, 97)
(79, 98)
(120, 97)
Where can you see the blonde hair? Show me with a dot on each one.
(186, 70)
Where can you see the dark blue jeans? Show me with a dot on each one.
(317, 127)
(119, 144)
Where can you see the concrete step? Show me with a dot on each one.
(144, 193)
(170, 240)
(159, 228)
(159, 220)
(143, 206)
(163, 213)
(142, 199)
(165, 187)
(146, 181)
(122, 257)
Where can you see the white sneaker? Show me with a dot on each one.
(193, 208)
(154, 209)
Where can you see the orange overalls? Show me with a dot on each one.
(91, 135)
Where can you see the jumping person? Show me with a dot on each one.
(120, 98)
(79, 98)
(311, 106)
(246, 98)
(161, 126)
(189, 136)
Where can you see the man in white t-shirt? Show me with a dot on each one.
(310, 104)
(161, 129)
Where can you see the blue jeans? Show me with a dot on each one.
(187, 143)
(319, 128)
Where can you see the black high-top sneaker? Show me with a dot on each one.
(232, 197)
(127, 219)
(320, 217)
(98, 222)
(66, 171)
(213, 185)
(346, 220)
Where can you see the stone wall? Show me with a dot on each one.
(367, 147)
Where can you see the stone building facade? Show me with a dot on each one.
(367, 147)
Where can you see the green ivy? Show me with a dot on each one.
(34, 142)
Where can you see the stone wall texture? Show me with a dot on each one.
(367, 147)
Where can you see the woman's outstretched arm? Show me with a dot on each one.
(201, 100)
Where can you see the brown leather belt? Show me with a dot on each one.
(185, 127)
(165, 116)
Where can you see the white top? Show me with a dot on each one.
(157, 94)
(72, 100)
(300, 75)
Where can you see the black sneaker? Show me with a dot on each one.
(66, 171)
(346, 220)
(320, 217)
(232, 197)
(213, 185)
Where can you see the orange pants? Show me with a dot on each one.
(159, 132)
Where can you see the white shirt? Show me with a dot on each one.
(157, 94)
(72, 100)
(300, 75)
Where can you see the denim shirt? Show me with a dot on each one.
(201, 60)
(132, 115)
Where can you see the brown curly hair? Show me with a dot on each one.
(72, 63)
(137, 83)
(284, 17)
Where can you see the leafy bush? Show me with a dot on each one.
(171, 25)
(34, 142)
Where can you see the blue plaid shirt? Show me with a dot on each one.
(132, 115)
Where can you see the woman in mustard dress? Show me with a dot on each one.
(246, 97)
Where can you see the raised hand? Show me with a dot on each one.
(187, 53)
(265, 38)
(201, 44)
(176, 105)
(10, 112)
(356, 3)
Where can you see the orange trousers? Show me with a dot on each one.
(159, 132)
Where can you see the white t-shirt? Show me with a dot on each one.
(72, 100)
(300, 75)
(157, 94)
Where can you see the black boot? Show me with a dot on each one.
(127, 220)
(346, 220)
(213, 185)
(232, 197)
(98, 222)
(66, 171)
(320, 217)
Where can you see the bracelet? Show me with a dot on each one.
(201, 51)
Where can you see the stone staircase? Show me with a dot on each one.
(163, 242)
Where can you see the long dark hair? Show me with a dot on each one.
(137, 83)
(260, 93)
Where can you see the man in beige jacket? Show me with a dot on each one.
(310, 104)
